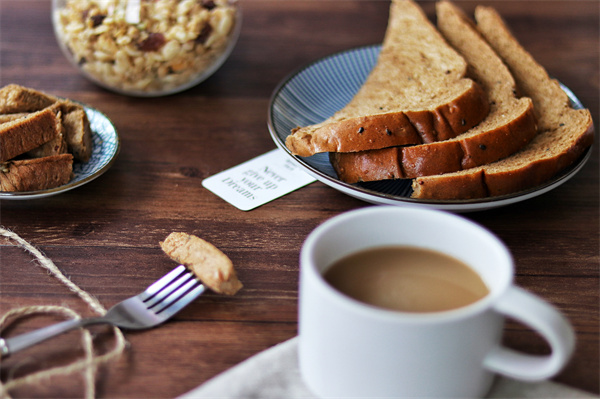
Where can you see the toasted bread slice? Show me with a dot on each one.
(509, 126)
(77, 131)
(417, 93)
(36, 174)
(208, 263)
(16, 100)
(564, 133)
(56, 146)
(24, 134)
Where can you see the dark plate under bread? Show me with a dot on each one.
(316, 91)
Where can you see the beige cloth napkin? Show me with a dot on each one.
(274, 374)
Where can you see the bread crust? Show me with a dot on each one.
(482, 182)
(460, 186)
(437, 158)
(36, 174)
(395, 128)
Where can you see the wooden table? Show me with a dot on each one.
(104, 235)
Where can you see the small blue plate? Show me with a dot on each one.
(105, 148)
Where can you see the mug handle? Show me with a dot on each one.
(533, 311)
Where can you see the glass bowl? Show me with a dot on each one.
(146, 48)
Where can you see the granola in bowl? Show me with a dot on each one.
(147, 47)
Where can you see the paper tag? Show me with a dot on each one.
(258, 181)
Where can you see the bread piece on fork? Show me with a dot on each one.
(207, 262)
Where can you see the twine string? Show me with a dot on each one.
(89, 364)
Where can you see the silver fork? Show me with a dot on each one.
(156, 304)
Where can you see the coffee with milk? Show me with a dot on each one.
(407, 279)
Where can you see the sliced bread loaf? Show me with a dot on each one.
(564, 133)
(509, 126)
(36, 174)
(416, 93)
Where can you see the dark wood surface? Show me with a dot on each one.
(105, 234)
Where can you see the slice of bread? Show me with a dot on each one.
(36, 174)
(15, 99)
(564, 133)
(57, 145)
(509, 126)
(77, 131)
(417, 93)
(25, 134)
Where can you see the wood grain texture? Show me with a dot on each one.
(104, 235)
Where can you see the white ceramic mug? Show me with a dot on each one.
(351, 349)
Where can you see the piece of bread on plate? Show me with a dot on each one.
(36, 174)
(416, 93)
(77, 131)
(509, 126)
(57, 145)
(16, 99)
(25, 134)
(564, 133)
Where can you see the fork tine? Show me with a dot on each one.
(168, 297)
(163, 282)
(172, 297)
(182, 302)
(183, 279)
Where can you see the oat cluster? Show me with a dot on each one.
(145, 46)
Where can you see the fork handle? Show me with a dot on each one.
(20, 342)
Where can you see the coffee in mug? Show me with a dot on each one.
(407, 279)
(349, 348)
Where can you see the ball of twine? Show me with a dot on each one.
(89, 364)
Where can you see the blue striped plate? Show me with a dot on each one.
(105, 147)
(316, 91)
